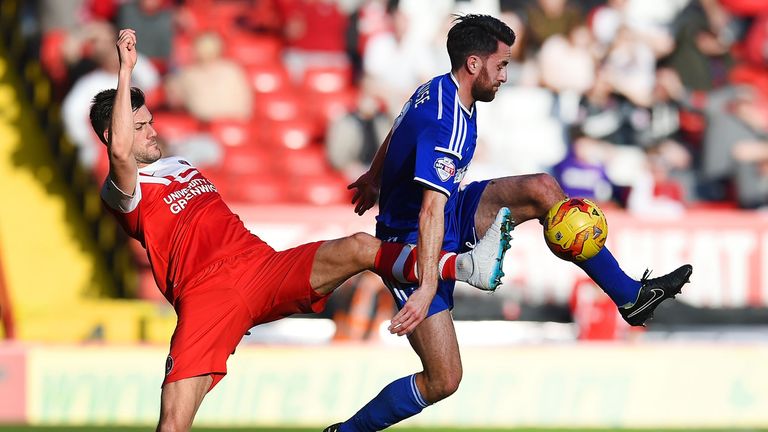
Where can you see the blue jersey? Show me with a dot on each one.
(433, 141)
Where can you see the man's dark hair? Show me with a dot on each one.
(101, 109)
(476, 35)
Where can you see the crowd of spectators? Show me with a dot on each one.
(655, 105)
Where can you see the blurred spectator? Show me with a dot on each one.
(751, 153)
(393, 64)
(607, 116)
(582, 176)
(314, 33)
(704, 36)
(101, 38)
(59, 14)
(262, 17)
(649, 21)
(101, 10)
(352, 139)
(568, 68)
(654, 192)
(630, 67)
(212, 87)
(370, 19)
(153, 20)
(567, 64)
(551, 17)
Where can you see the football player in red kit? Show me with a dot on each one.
(220, 278)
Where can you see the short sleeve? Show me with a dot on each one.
(435, 168)
(119, 200)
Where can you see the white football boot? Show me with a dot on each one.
(482, 266)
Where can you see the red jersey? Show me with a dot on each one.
(180, 219)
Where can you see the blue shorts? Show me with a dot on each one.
(466, 206)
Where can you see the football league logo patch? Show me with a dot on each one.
(445, 168)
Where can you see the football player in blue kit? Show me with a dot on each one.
(416, 176)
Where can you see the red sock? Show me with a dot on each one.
(398, 262)
(447, 265)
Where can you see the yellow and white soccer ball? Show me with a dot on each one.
(575, 229)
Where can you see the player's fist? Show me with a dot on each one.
(126, 48)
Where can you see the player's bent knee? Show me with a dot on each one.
(443, 387)
(365, 247)
(546, 191)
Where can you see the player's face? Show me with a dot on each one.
(493, 74)
(145, 147)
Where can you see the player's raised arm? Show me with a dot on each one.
(122, 163)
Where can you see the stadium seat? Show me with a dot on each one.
(291, 134)
(279, 107)
(248, 159)
(306, 162)
(269, 78)
(322, 189)
(173, 126)
(248, 49)
(218, 16)
(257, 189)
(232, 133)
(327, 79)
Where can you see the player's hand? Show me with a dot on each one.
(366, 193)
(126, 48)
(413, 312)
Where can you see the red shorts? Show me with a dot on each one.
(224, 300)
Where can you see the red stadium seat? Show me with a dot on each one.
(173, 126)
(232, 133)
(306, 162)
(327, 79)
(249, 49)
(248, 160)
(279, 107)
(218, 16)
(269, 78)
(321, 190)
(257, 189)
(292, 134)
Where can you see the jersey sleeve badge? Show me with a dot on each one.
(445, 168)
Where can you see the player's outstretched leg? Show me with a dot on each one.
(333, 428)
(530, 197)
(481, 267)
(337, 260)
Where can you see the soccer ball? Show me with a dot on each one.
(575, 229)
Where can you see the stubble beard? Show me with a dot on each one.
(482, 89)
(147, 156)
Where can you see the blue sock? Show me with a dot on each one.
(397, 401)
(605, 271)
